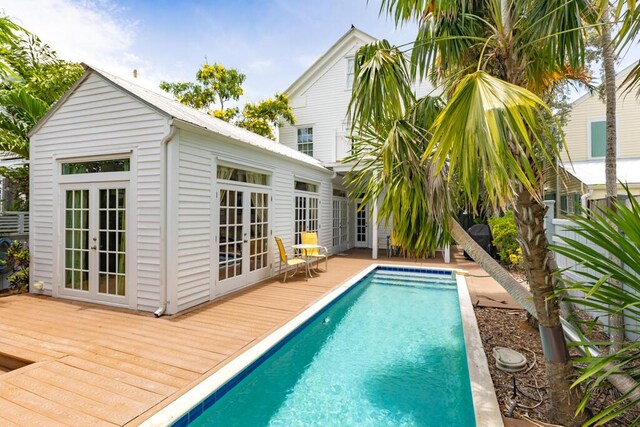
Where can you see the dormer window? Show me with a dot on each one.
(351, 70)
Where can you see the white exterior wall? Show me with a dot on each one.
(323, 106)
(96, 119)
(192, 280)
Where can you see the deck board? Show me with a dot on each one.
(103, 366)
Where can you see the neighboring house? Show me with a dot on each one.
(141, 202)
(320, 99)
(585, 137)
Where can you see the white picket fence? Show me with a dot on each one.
(14, 223)
(558, 228)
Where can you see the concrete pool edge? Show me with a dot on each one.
(485, 402)
(188, 402)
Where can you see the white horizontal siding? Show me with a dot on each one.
(95, 118)
(194, 224)
(323, 104)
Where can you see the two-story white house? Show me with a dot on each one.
(320, 100)
(585, 136)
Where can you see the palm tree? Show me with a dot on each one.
(616, 321)
(494, 60)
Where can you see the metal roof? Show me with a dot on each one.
(181, 113)
(190, 115)
(592, 172)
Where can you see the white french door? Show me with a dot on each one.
(340, 224)
(243, 237)
(94, 253)
(362, 225)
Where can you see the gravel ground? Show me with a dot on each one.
(509, 328)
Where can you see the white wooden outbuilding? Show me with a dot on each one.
(140, 202)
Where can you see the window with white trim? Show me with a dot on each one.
(597, 138)
(305, 140)
(351, 71)
(305, 209)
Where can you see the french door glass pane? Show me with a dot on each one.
(230, 244)
(361, 225)
(111, 241)
(259, 228)
(76, 252)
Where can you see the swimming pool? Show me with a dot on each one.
(389, 349)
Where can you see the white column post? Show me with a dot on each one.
(374, 231)
(446, 253)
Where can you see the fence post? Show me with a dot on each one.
(548, 219)
(21, 222)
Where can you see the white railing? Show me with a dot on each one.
(13, 223)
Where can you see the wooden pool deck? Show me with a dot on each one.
(95, 365)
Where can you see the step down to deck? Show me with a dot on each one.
(10, 363)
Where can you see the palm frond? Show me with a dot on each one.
(381, 88)
(489, 122)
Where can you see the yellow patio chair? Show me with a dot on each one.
(284, 259)
(393, 248)
(315, 254)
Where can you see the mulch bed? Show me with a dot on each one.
(509, 328)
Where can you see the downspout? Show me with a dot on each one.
(583, 201)
(164, 147)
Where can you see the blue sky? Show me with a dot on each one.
(271, 41)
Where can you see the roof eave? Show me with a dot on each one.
(182, 124)
(306, 75)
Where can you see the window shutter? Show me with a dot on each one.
(598, 139)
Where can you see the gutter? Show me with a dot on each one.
(164, 144)
(583, 201)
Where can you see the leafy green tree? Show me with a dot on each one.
(215, 85)
(18, 187)
(264, 116)
(38, 80)
(495, 61)
(9, 38)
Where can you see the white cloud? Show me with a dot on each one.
(261, 65)
(94, 32)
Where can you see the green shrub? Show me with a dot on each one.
(505, 235)
(17, 259)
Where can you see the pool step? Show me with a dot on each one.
(420, 279)
(412, 274)
(413, 283)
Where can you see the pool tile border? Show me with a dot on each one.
(183, 410)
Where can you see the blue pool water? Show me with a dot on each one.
(388, 353)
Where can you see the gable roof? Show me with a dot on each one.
(313, 71)
(173, 109)
(620, 75)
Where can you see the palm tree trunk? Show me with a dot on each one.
(538, 260)
(611, 180)
(563, 400)
(514, 288)
(623, 382)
